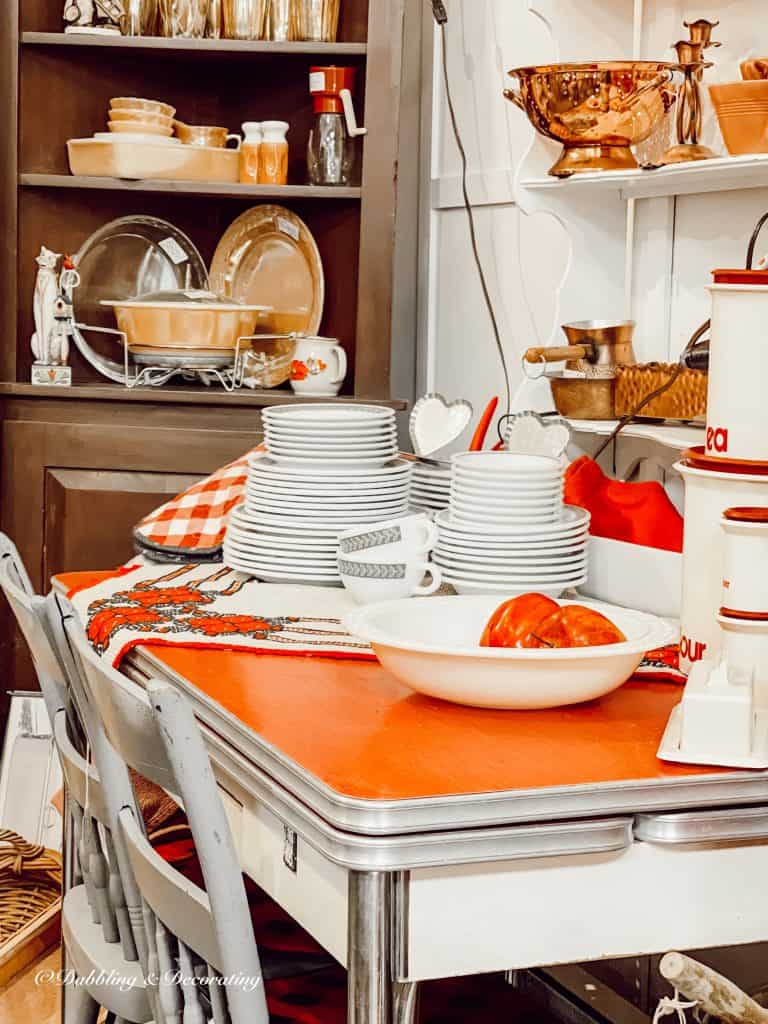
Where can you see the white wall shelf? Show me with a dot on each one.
(670, 435)
(722, 174)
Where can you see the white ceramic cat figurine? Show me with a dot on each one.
(46, 293)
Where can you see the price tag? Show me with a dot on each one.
(317, 81)
(287, 228)
(172, 249)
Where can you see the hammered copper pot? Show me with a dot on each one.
(597, 110)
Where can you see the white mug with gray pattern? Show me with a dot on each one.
(416, 534)
(388, 573)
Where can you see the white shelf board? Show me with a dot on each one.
(670, 435)
(720, 174)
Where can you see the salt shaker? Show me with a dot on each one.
(273, 153)
(249, 152)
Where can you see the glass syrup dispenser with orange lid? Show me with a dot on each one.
(332, 148)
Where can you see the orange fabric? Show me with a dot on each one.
(361, 732)
(636, 513)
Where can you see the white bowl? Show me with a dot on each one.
(432, 645)
(498, 509)
(504, 520)
(495, 492)
(521, 562)
(504, 463)
(478, 546)
(502, 591)
(572, 520)
(530, 581)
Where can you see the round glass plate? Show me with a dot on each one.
(126, 258)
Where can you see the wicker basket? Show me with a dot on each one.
(30, 902)
(685, 400)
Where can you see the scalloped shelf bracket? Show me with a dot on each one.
(593, 286)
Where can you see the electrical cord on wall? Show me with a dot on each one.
(441, 17)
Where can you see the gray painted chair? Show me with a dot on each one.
(94, 914)
(32, 617)
(203, 947)
(97, 930)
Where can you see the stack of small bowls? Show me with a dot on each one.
(327, 468)
(507, 531)
(129, 115)
(430, 487)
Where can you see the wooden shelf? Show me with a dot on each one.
(182, 396)
(197, 47)
(721, 174)
(190, 188)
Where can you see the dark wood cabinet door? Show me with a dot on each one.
(89, 514)
(76, 478)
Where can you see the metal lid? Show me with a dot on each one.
(184, 298)
(186, 295)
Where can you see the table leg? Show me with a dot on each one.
(369, 999)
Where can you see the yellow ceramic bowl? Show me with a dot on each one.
(184, 320)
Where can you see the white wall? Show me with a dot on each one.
(655, 271)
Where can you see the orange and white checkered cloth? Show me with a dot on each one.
(195, 521)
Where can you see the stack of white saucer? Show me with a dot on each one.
(327, 468)
(507, 531)
(430, 487)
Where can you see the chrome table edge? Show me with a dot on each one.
(700, 827)
(410, 851)
(472, 810)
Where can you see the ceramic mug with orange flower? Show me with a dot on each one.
(319, 367)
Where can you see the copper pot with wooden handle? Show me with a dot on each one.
(595, 347)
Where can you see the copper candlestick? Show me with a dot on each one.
(691, 64)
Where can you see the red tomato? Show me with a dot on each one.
(514, 620)
(574, 626)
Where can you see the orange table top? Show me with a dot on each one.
(353, 726)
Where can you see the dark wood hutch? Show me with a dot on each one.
(81, 465)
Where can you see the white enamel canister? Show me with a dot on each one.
(746, 649)
(737, 399)
(708, 493)
(745, 579)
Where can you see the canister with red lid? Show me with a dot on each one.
(745, 578)
(711, 486)
(737, 397)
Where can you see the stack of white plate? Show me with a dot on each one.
(430, 487)
(505, 488)
(327, 468)
(331, 435)
(507, 531)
